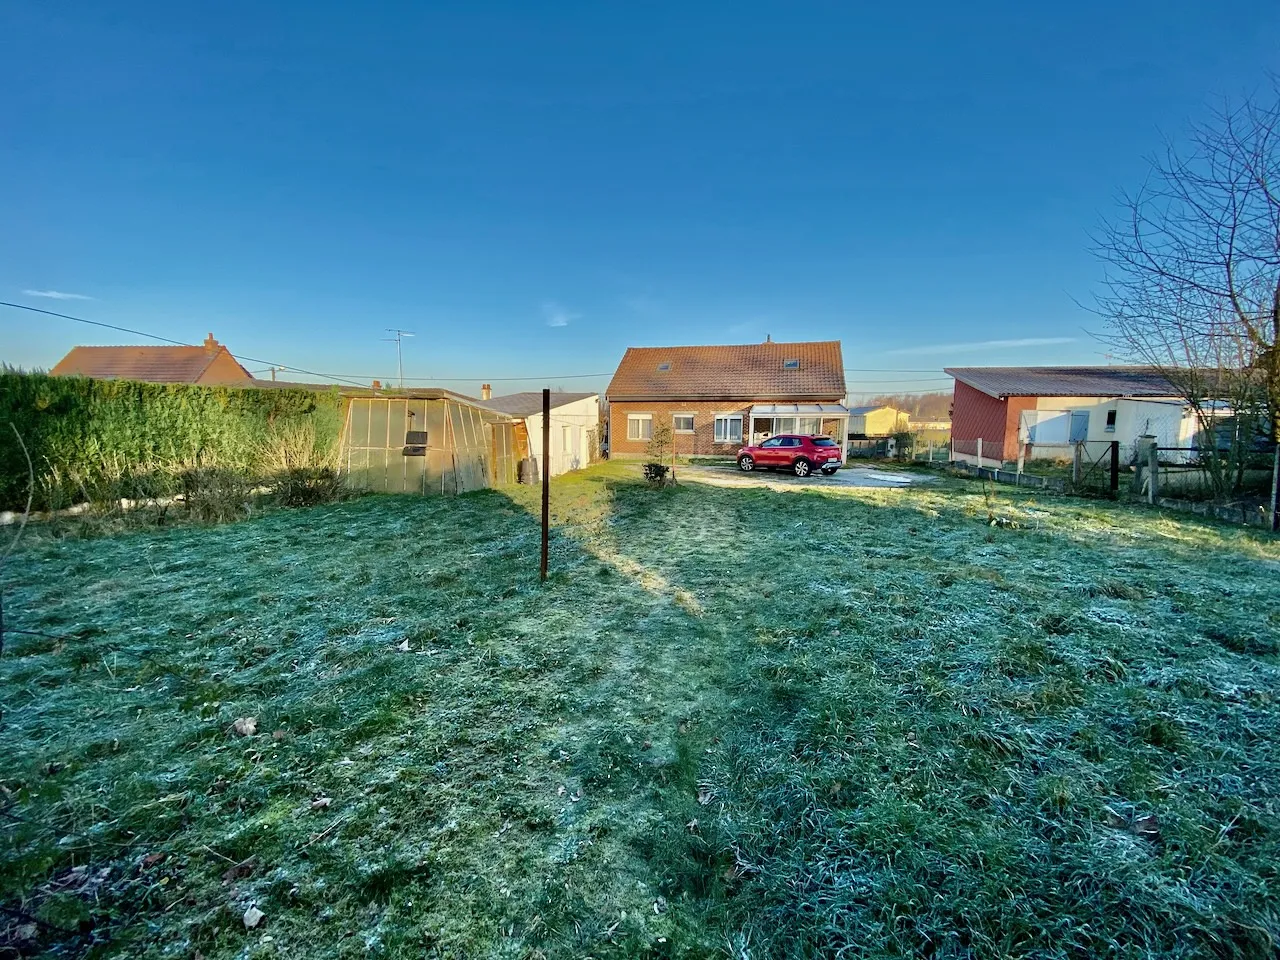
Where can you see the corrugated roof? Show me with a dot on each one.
(799, 409)
(863, 411)
(755, 370)
(148, 364)
(1065, 381)
(529, 402)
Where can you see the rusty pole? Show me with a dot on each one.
(546, 478)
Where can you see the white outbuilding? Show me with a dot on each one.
(575, 425)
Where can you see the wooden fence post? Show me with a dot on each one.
(979, 453)
(1077, 464)
(1275, 489)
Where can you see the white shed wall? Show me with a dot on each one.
(1167, 419)
(571, 427)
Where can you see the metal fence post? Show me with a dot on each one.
(1153, 467)
(1115, 466)
(1077, 464)
(979, 453)
(546, 482)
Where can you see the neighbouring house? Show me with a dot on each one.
(929, 426)
(1045, 411)
(879, 420)
(426, 441)
(714, 397)
(575, 425)
(209, 365)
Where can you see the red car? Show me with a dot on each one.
(788, 451)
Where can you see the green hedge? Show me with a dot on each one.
(115, 438)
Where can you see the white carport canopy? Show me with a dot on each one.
(827, 411)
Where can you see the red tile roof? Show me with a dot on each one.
(1065, 381)
(148, 364)
(749, 371)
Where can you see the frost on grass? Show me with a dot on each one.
(782, 724)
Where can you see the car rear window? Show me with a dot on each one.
(824, 442)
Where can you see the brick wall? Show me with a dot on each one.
(701, 441)
(223, 371)
(975, 415)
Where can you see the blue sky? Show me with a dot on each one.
(533, 187)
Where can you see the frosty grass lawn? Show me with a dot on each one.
(734, 723)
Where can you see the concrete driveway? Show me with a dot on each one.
(728, 475)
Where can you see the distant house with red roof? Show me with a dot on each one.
(209, 364)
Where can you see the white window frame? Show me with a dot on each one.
(812, 420)
(692, 423)
(726, 435)
(640, 419)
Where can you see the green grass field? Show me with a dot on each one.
(736, 723)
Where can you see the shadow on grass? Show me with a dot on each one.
(892, 729)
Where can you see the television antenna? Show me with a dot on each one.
(399, 335)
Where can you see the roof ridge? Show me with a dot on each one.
(723, 346)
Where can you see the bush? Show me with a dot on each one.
(304, 487)
(656, 472)
(659, 451)
(100, 441)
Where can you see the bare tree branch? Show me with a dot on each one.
(1191, 282)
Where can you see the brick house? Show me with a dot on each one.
(715, 397)
(209, 365)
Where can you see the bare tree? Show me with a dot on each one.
(1192, 286)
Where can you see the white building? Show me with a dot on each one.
(1003, 414)
(575, 425)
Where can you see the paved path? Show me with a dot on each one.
(730, 476)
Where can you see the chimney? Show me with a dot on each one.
(210, 343)
(768, 338)
(486, 392)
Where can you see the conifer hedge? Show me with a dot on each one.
(113, 438)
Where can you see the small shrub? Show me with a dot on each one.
(307, 486)
(656, 473)
(659, 453)
(216, 495)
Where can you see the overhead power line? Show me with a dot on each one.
(880, 393)
(912, 380)
(176, 343)
(359, 380)
(889, 370)
(363, 380)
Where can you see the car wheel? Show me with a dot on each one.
(746, 464)
(802, 467)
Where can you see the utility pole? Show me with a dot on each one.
(399, 335)
(546, 479)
